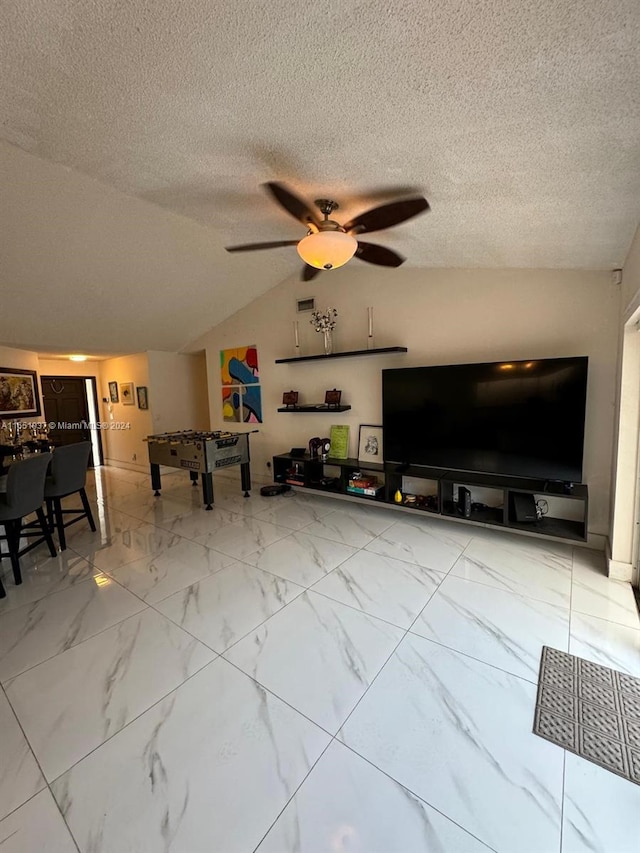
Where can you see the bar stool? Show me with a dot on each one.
(23, 495)
(68, 476)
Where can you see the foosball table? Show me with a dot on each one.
(200, 453)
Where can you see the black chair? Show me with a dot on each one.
(23, 495)
(67, 476)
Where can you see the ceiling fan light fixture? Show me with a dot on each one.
(327, 250)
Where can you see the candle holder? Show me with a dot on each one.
(296, 337)
(370, 342)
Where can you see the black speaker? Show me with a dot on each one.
(464, 501)
(524, 507)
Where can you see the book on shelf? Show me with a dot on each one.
(371, 491)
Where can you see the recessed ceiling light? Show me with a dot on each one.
(78, 357)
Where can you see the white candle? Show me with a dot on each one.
(295, 332)
(370, 312)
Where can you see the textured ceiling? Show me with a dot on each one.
(519, 120)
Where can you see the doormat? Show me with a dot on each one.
(591, 710)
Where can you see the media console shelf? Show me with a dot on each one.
(492, 497)
(379, 351)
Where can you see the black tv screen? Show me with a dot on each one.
(514, 418)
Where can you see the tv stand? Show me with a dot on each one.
(562, 509)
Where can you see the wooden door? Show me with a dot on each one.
(65, 402)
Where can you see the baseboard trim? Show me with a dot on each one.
(617, 569)
(130, 466)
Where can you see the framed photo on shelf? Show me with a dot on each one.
(332, 398)
(370, 443)
(113, 392)
(290, 398)
(19, 395)
(126, 392)
(141, 393)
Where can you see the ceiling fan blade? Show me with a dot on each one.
(298, 208)
(309, 272)
(253, 247)
(374, 254)
(387, 215)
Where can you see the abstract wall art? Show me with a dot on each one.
(240, 378)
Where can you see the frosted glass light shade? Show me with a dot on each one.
(327, 250)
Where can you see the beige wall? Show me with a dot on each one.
(125, 447)
(625, 503)
(178, 396)
(64, 367)
(442, 316)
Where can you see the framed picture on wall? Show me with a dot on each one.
(113, 392)
(141, 392)
(126, 392)
(19, 395)
(370, 443)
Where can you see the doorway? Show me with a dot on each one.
(71, 405)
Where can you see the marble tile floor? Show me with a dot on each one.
(298, 675)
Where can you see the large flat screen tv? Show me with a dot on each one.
(514, 418)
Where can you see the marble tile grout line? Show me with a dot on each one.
(335, 736)
(47, 785)
(393, 651)
(86, 639)
(564, 751)
(308, 587)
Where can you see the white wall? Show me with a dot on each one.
(625, 502)
(125, 447)
(442, 316)
(178, 397)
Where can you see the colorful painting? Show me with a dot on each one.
(18, 393)
(240, 378)
(242, 404)
(239, 366)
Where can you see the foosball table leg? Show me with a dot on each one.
(155, 479)
(207, 490)
(194, 477)
(245, 478)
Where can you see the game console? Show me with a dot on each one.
(464, 501)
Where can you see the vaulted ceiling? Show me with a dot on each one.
(520, 122)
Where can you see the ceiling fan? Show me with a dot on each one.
(328, 244)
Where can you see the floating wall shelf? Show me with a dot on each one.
(314, 407)
(380, 351)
